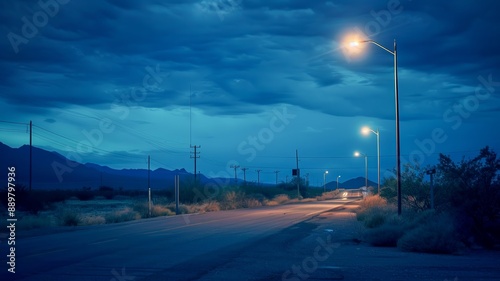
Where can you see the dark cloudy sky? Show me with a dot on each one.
(263, 79)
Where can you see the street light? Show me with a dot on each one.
(366, 131)
(396, 101)
(338, 181)
(357, 154)
(324, 181)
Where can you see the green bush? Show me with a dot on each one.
(436, 235)
(375, 216)
(386, 235)
(70, 219)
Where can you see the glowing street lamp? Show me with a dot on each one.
(396, 100)
(358, 154)
(324, 181)
(366, 131)
(338, 181)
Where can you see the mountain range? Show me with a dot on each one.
(51, 170)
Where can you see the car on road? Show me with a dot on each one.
(352, 193)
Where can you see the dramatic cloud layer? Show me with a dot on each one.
(249, 81)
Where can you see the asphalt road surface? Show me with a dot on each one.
(185, 247)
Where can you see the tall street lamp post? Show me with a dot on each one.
(338, 181)
(357, 154)
(396, 101)
(366, 131)
(324, 181)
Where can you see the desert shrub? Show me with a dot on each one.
(374, 216)
(126, 214)
(281, 198)
(159, 210)
(142, 208)
(386, 235)
(271, 203)
(258, 196)
(232, 200)
(251, 203)
(183, 209)
(372, 201)
(212, 206)
(92, 220)
(436, 235)
(69, 218)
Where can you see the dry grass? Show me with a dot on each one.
(251, 203)
(328, 195)
(281, 198)
(157, 210)
(372, 201)
(126, 214)
(271, 203)
(92, 220)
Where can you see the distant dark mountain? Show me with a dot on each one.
(350, 184)
(51, 170)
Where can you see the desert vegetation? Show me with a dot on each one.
(466, 213)
(87, 206)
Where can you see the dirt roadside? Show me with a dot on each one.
(330, 247)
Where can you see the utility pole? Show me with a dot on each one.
(195, 155)
(276, 176)
(235, 167)
(244, 174)
(258, 176)
(149, 186)
(31, 152)
(298, 173)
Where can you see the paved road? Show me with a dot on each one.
(167, 248)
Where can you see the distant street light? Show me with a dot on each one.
(357, 154)
(366, 131)
(324, 181)
(338, 181)
(396, 101)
